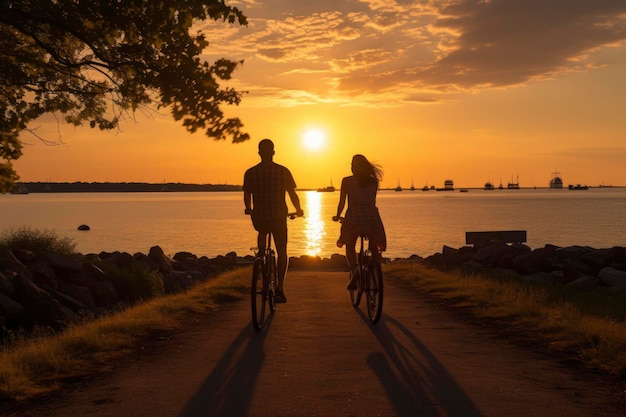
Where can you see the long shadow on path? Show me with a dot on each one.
(416, 384)
(228, 389)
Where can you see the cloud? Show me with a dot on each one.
(498, 43)
(429, 50)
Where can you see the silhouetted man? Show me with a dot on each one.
(264, 188)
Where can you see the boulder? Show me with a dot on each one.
(8, 262)
(584, 283)
(10, 309)
(43, 274)
(60, 262)
(39, 307)
(528, 263)
(158, 256)
(6, 286)
(613, 278)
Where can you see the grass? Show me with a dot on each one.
(39, 365)
(587, 324)
(25, 238)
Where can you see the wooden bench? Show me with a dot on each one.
(506, 236)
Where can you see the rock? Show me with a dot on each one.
(584, 283)
(123, 260)
(488, 255)
(157, 255)
(6, 286)
(43, 274)
(39, 307)
(79, 293)
(613, 278)
(103, 292)
(528, 263)
(60, 262)
(8, 262)
(84, 227)
(10, 308)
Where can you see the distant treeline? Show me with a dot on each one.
(119, 187)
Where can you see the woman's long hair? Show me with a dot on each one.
(365, 171)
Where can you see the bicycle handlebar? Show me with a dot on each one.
(289, 215)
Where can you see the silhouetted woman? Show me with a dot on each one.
(362, 217)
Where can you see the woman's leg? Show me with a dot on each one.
(351, 253)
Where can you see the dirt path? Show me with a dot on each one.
(320, 357)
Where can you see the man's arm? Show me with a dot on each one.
(247, 201)
(295, 200)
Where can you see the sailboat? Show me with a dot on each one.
(412, 186)
(398, 188)
(328, 189)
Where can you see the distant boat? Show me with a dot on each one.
(448, 185)
(398, 188)
(412, 186)
(513, 185)
(577, 187)
(329, 189)
(426, 187)
(556, 182)
(489, 186)
(464, 190)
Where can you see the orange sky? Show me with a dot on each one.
(472, 91)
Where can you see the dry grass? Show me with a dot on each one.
(590, 325)
(38, 365)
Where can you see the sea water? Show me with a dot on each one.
(416, 222)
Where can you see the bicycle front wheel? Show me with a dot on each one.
(375, 292)
(257, 295)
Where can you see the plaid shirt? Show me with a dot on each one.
(268, 182)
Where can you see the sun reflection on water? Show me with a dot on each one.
(314, 227)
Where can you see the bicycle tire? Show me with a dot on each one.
(355, 294)
(257, 295)
(375, 292)
(273, 283)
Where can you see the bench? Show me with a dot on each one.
(505, 236)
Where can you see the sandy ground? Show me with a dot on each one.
(318, 356)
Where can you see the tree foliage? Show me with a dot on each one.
(95, 61)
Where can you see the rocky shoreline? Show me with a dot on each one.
(51, 290)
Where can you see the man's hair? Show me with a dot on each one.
(266, 147)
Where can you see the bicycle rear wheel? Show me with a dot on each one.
(355, 294)
(273, 279)
(375, 292)
(257, 293)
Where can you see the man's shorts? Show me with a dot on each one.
(277, 226)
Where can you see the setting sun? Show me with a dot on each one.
(314, 139)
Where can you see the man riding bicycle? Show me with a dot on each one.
(264, 188)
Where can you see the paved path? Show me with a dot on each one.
(320, 357)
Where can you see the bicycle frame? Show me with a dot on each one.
(264, 283)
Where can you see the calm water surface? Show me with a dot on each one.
(416, 222)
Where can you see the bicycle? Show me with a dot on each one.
(369, 281)
(264, 281)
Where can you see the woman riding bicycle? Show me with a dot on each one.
(362, 217)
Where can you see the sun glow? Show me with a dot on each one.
(314, 139)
